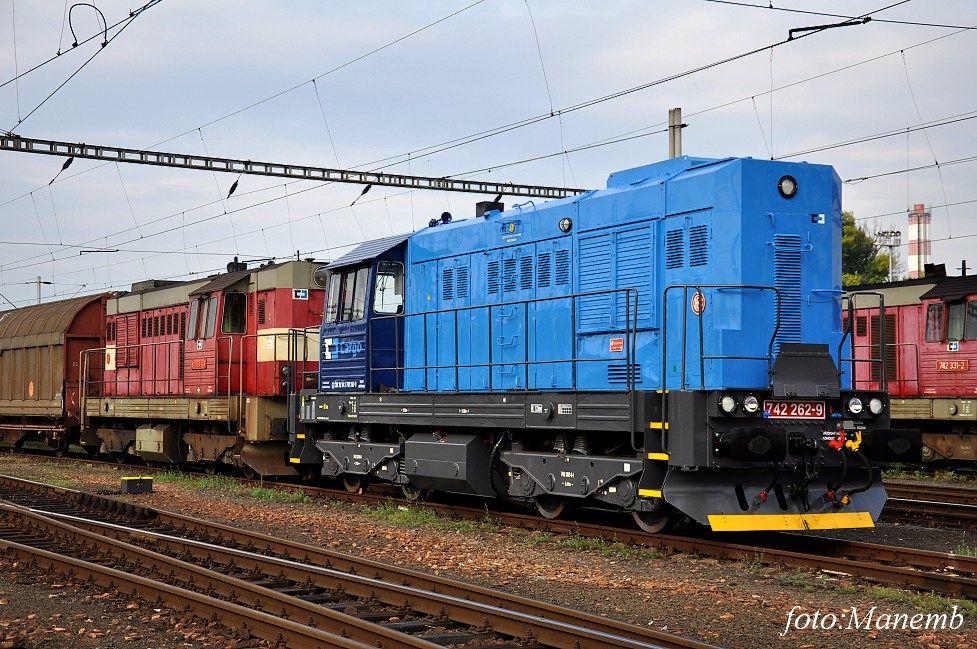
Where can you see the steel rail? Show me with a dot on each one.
(506, 614)
(233, 615)
(943, 573)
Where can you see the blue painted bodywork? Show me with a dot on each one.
(489, 304)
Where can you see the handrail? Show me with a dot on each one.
(153, 379)
(702, 356)
(850, 298)
(630, 334)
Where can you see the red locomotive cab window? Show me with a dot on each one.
(934, 323)
(211, 318)
(235, 313)
(203, 318)
(955, 321)
(971, 327)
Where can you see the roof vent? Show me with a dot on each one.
(236, 266)
(484, 207)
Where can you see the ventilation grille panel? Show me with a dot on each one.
(493, 278)
(544, 269)
(447, 284)
(562, 267)
(461, 282)
(699, 245)
(674, 249)
(787, 279)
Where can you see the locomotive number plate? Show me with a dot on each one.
(953, 366)
(794, 409)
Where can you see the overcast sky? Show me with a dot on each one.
(183, 64)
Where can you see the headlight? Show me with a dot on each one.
(787, 186)
(728, 404)
(751, 404)
(875, 406)
(855, 406)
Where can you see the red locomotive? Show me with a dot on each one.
(929, 344)
(178, 372)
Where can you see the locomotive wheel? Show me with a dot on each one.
(653, 522)
(550, 506)
(353, 484)
(412, 493)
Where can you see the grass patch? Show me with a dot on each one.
(278, 495)
(611, 549)
(230, 485)
(755, 564)
(924, 602)
(942, 475)
(199, 483)
(966, 550)
(422, 517)
(67, 483)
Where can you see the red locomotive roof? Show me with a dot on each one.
(953, 288)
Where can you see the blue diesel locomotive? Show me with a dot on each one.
(669, 346)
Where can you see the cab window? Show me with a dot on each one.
(934, 323)
(955, 321)
(388, 290)
(203, 318)
(359, 294)
(971, 328)
(194, 316)
(211, 318)
(235, 313)
(332, 308)
(347, 295)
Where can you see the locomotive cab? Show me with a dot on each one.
(360, 343)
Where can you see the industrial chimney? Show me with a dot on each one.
(920, 246)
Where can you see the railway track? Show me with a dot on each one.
(946, 505)
(306, 595)
(944, 573)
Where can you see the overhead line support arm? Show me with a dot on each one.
(294, 172)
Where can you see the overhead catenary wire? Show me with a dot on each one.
(59, 54)
(517, 162)
(252, 105)
(770, 7)
(919, 115)
(907, 210)
(129, 21)
(895, 172)
(922, 126)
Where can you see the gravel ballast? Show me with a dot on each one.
(735, 604)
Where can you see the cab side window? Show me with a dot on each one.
(235, 313)
(934, 323)
(332, 305)
(955, 321)
(971, 328)
(388, 290)
(203, 318)
(346, 301)
(359, 294)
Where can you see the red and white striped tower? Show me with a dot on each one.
(920, 246)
